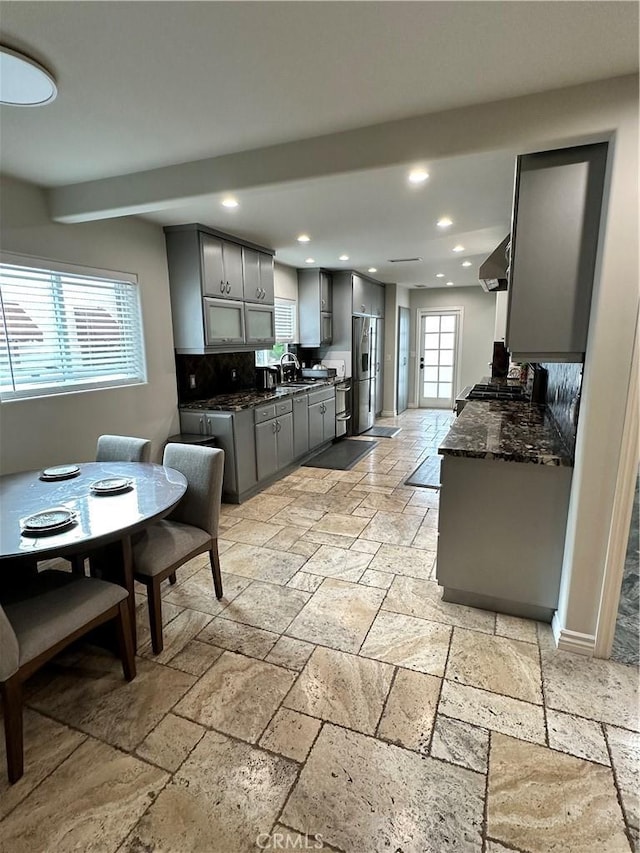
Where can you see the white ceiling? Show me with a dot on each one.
(145, 84)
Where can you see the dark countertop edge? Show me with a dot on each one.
(258, 398)
(530, 455)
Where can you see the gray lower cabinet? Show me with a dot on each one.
(300, 425)
(501, 532)
(234, 432)
(273, 438)
(322, 416)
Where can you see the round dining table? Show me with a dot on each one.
(102, 524)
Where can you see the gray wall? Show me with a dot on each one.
(478, 323)
(64, 428)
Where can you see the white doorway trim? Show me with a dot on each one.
(420, 313)
(621, 514)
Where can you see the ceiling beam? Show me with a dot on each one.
(518, 124)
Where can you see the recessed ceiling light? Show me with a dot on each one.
(418, 176)
(309, 260)
(344, 257)
(445, 222)
(24, 82)
(372, 269)
(449, 284)
(466, 263)
(439, 275)
(458, 248)
(229, 202)
(303, 238)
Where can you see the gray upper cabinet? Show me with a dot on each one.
(361, 295)
(258, 276)
(221, 268)
(368, 297)
(556, 219)
(315, 300)
(207, 286)
(377, 300)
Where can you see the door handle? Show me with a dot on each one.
(228, 288)
(222, 287)
(201, 425)
(421, 362)
(258, 292)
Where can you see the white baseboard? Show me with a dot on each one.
(391, 413)
(572, 641)
(413, 405)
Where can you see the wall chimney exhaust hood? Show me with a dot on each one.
(493, 272)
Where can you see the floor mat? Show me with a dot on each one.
(427, 475)
(382, 432)
(342, 455)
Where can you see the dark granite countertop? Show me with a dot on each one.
(251, 397)
(512, 431)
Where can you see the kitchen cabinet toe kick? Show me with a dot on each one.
(499, 605)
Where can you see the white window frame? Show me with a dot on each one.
(75, 380)
(291, 305)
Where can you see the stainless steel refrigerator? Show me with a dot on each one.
(363, 373)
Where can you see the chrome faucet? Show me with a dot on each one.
(291, 355)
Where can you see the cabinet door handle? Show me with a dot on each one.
(222, 287)
(323, 303)
(228, 288)
(273, 427)
(201, 425)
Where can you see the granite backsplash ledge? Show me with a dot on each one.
(218, 373)
(564, 383)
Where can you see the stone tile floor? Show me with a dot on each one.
(330, 700)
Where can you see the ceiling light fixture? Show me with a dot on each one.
(344, 258)
(229, 202)
(439, 275)
(310, 261)
(458, 248)
(23, 81)
(466, 263)
(418, 176)
(372, 269)
(449, 284)
(303, 238)
(445, 222)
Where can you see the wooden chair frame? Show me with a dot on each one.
(11, 689)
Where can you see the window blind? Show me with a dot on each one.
(62, 331)
(285, 320)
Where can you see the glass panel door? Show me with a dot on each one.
(437, 359)
(224, 322)
(260, 324)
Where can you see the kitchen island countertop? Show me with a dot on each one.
(511, 431)
(250, 397)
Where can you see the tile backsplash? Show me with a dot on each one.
(564, 383)
(219, 373)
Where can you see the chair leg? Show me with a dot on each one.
(125, 641)
(77, 564)
(172, 578)
(214, 559)
(12, 703)
(154, 600)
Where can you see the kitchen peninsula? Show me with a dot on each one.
(506, 477)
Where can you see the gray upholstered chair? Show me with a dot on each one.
(115, 448)
(40, 620)
(122, 448)
(191, 529)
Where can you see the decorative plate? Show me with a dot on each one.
(49, 521)
(60, 472)
(111, 485)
